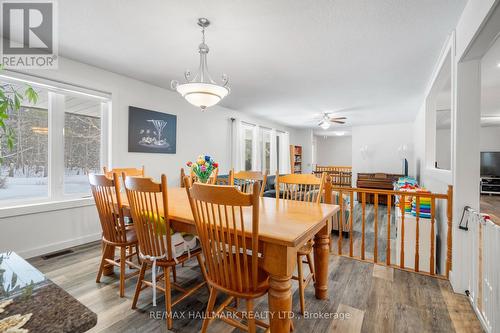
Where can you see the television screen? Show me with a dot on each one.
(404, 170)
(490, 164)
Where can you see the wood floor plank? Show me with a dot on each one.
(458, 307)
(383, 272)
(351, 324)
(406, 303)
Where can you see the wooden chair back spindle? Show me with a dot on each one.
(245, 180)
(149, 209)
(107, 197)
(219, 213)
(301, 187)
(132, 172)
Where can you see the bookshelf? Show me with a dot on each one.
(296, 159)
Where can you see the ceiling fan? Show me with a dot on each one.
(327, 121)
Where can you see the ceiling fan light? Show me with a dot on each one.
(324, 125)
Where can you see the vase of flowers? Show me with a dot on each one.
(203, 167)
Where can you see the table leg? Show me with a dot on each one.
(280, 303)
(109, 253)
(321, 254)
(279, 262)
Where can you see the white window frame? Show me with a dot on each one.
(258, 148)
(56, 199)
(263, 131)
(254, 128)
(284, 152)
(447, 57)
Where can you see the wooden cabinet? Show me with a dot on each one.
(381, 181)
(295, 159)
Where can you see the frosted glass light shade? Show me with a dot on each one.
(202, 95)
(324, 125)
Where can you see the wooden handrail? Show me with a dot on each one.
(429, 230)
(327, 168)
(389, 192)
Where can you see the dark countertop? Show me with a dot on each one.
(52, 308)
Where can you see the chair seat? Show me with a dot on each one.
(180, 259)
(131, 238)
(306, 248)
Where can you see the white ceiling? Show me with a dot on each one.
(288, 60)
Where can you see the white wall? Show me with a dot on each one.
(464, 175)
(436, 181)
(382, 143)
(334, 150)
(489, 138)
(443, 148)
(197, 132)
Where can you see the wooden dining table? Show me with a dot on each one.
(284, 226)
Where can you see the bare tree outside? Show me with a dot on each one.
(24, 169)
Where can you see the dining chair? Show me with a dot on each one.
(149, 209)
(133, 172)
(246, 179)
(309, 188)
(108, 201)
(123, 172)
(227, 222)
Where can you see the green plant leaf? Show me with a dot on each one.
(17, 102)
(31, 94)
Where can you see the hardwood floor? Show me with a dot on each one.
(370, 299)
(370, 233)
(490, 204)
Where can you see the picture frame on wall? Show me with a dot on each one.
(151, 131)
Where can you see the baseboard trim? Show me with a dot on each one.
(38, 251)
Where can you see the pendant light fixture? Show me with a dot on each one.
(201, 90)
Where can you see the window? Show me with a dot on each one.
(278, 148)
(261, 149)
(24, 169)
(266, 151)
(248, 146)
(283, 152)
(58, 142)
(82, 143)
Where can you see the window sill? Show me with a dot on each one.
(48, 206)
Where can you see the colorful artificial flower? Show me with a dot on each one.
(203, 167)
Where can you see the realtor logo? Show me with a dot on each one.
(28, 34)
